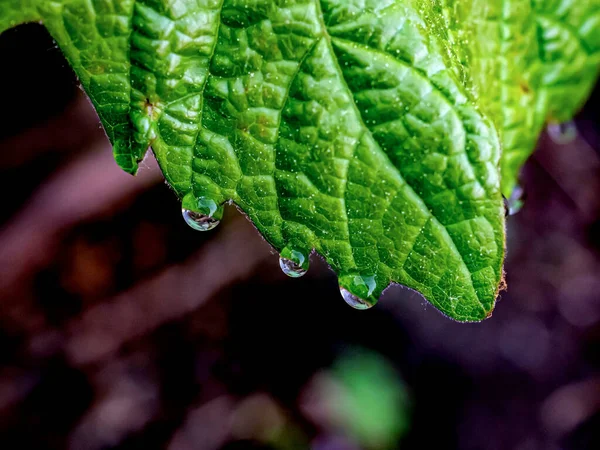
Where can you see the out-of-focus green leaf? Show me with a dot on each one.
(372, 404)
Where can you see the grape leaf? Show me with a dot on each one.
(367, 130)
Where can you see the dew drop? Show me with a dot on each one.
(199, 221)
(293, 263)
(201, 214)
(354, 301)
(515, 202)
(563, 133)
(364, 286)
(291, 269)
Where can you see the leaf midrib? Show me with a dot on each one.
(328, 39)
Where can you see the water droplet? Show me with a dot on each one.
(354, 301)
(515, 202)
(293, 263)
(199, 221)
(563, 133)
(201, 214)
(291, 269)
(363, 286)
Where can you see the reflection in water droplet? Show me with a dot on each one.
(201, 213)
(516, 201)
(292, 268)
(294, 263)
(354, 301)
(199, 221)
(563, 133)
(364, 286)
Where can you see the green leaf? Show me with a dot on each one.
(367, 130)
(369, 401)
(528, 62)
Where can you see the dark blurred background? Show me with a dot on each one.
(122, 328)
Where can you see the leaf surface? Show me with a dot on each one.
(367, 130)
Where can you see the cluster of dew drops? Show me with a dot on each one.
(297, 264)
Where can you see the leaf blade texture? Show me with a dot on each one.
(380, 133)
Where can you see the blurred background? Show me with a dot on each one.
(122, 328)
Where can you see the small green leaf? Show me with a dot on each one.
(370, 131)
(370, 403)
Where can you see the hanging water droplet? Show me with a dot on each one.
(563, 133)
(199, 221)
(201, 214)
(291, 269)
(293, 263)
(364, 286)
(354, 301)
(515, 202)
(506, 207)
